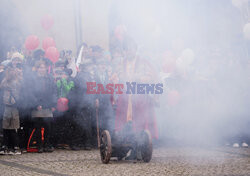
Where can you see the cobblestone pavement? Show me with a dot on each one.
(165, 161)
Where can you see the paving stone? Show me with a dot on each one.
(165, 161)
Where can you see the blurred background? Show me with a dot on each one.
(156, 25)
(200, 49)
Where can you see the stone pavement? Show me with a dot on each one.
(165, 161)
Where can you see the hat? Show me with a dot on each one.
(38, 54)
(18, 56)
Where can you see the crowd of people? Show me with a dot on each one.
(44, 105)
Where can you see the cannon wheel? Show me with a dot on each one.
(146, 146)
(105, 147)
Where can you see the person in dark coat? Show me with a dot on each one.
(11, 85)
(105, 111)
(26, 106)
(44, 103)
(64, 112)
(85, 104)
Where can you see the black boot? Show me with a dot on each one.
(40, 150)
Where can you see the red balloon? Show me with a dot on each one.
(173, 98)
(169, 62)
(47, 22)
(119, 32)
(62, 104)
(48, 42)
(52, 54)
(169, 66)
(32, 42)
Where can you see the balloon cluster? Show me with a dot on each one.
(32, 41)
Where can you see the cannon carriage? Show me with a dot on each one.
(118, 144)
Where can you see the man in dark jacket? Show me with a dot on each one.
(85, 103)
(44, 103)
(106, 114)
(63, 116)
(26, 105)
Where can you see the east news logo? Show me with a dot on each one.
(131, 88)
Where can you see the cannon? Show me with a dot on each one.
(118, 144)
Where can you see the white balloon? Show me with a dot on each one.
(239, 3)
(187, 56)
(246, 31)
(181, 65)
(164, 76)
(157, 31)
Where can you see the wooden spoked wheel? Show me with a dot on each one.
(105, 147)
(146, 146)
